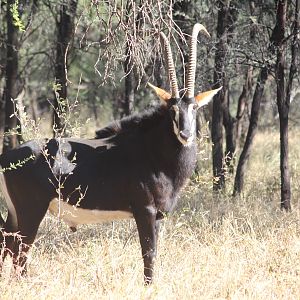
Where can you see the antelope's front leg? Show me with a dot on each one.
(146, 224)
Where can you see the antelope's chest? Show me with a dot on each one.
(165, 191)
(170, 179)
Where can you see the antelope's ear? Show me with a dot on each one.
(205, 97)
(162, 94)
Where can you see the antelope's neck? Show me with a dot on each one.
(171, 157)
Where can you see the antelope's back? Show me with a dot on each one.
(37, 168)
(33, 168)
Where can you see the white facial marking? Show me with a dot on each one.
(73, 215)
(191, 121)
(9, 203)
(176, 122)
(190, 113)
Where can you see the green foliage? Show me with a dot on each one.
(16, 165)
(68, 112)
(16, 16)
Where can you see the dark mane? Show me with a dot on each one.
(124, 130)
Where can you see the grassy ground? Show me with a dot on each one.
(209, 248)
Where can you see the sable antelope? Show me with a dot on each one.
(134, 169)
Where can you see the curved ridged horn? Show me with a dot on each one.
(171, 67)
(191, 71)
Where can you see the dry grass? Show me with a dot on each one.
(209, 248)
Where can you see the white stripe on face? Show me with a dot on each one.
(176, 109)
(176, 118)
(191, 122)
(191, 114)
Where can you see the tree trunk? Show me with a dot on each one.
(219, 99)
(233, 125)
(183, 15)
(11, 122)
(65, 27)
(229, 121)
(229, 125)
(128, 101)
(283, 96)
(285, 202)
(240, 171)
(94, 108)
(285, 176)
(127, 104)
(242, 104)
(283, 107)
(262, 78)
(158, 72)
(244, 97)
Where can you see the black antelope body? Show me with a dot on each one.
(134, 169)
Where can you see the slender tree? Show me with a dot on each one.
(128, 102)
(65, 31)
(284, 94)
(220, 98)
(246, 90)
(240, 171)
(282, 104)
(260, 85)
(229, 121)
(242, 104)
(10, 139)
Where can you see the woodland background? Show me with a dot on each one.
(72, 66)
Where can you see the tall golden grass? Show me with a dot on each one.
(209, 248)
